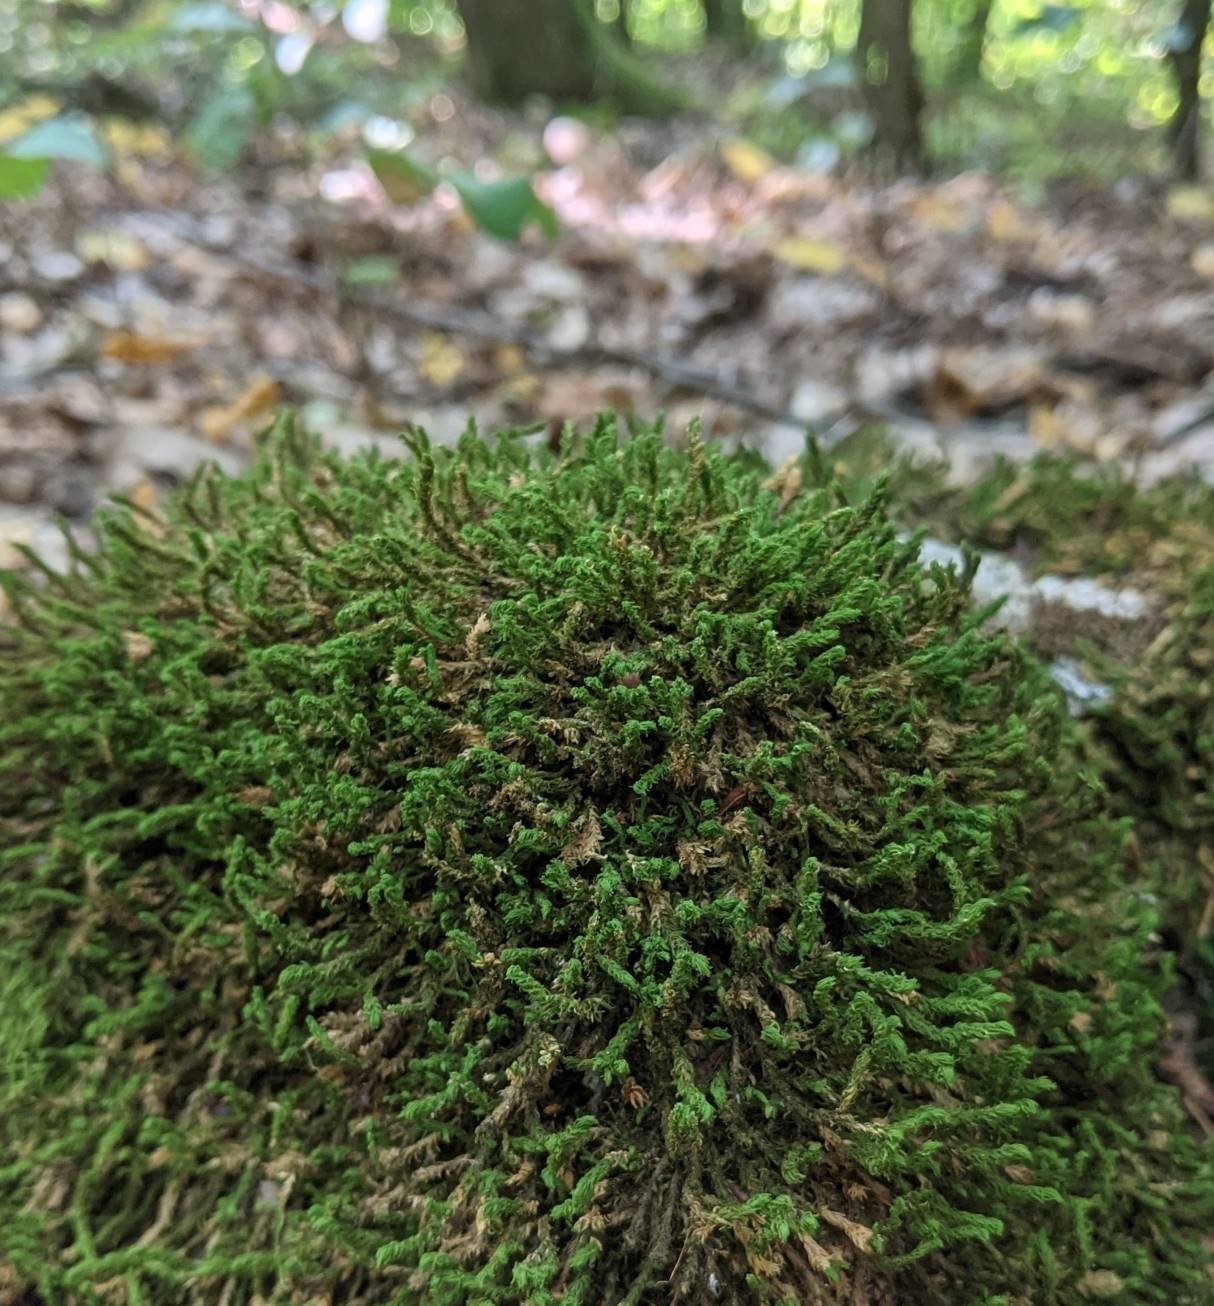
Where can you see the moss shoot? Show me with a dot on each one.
(606, 879)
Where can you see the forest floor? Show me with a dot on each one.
(150, 319)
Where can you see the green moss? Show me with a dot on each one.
(1054, 513)
(1153, 742)
(486, 878)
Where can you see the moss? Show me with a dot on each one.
(597, 879)
(1153, 742)
(1060, 515)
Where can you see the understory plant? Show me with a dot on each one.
(606, 878)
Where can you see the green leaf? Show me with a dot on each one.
(405, 181)
(220, 132)
(373, 270)
(60, 138)
(209, 17)
(503, 208)
(21, 178)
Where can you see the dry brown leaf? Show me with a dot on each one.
(509, 359)
(970, 381)
(442, 360)
(144, 495)
(257, 399)
(1005, 223)
(131, 347)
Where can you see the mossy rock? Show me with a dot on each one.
(595, 879)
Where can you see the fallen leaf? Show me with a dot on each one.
(371, 270)
(749, 163)
(1005, 222)
(983, 380)
(503, 208)
(19, 312)
(405, 181)
(509, 359)
(12, 534)
(941, 213)
(144, 495)
(20, 117)
(1045, 427)
(811, 255)
(1066, 312)
(1191, 203)
(441, 361)
(257, 399)
(117, 250)
(131, 347)
(129, 139)
(1202, 261)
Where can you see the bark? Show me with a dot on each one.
(518, 48)
(726, 21)
(890, 78)
(1184, 131)
(558, 49)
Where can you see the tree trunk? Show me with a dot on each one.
(1183, 131)
(973, 43)
(891, 81)
(558, 49)
(518, 48)
(726, 21)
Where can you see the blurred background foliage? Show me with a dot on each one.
(1018, 87)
